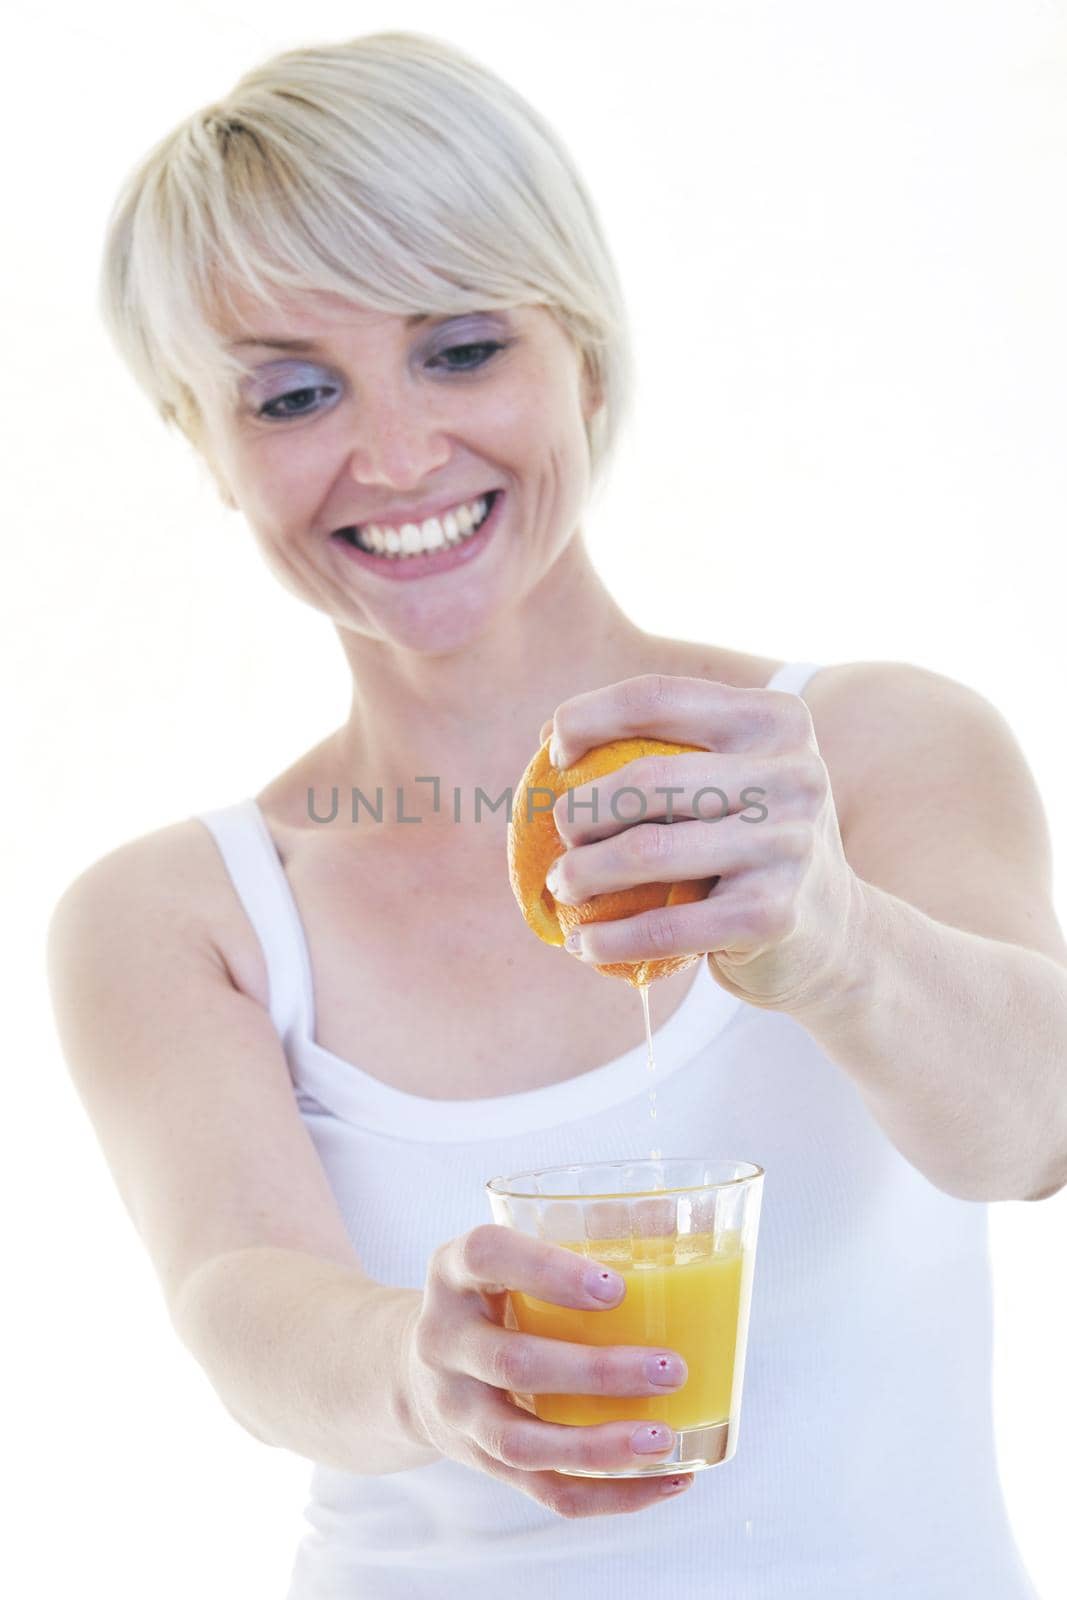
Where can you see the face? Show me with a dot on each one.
(381, 422)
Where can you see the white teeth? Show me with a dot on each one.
(435, 534)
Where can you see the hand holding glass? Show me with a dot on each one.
(681, 1233)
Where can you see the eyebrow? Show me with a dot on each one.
(277, 342)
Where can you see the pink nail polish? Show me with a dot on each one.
(652, 1437)
(604, 1285)
(668, 1370)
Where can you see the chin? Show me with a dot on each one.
(453, 629)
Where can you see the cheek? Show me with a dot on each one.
(503, 419)
(280, 561)
(530, 416)
(279, 483)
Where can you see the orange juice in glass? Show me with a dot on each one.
(681, 1232)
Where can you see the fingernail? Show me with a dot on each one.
(554, 752)
(673, 1485)
(573, 943)
(552, 878)
(653, 1436)
(666, 1369)
(604, 1285)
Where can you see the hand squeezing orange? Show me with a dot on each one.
(534, 844)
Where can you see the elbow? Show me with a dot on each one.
(1048, 1190)
(988, 1190)
(1044, 1185)
(243, 1423)
(1030, 1179)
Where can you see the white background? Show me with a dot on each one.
(840, 229)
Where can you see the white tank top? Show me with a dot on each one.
(866, 1461)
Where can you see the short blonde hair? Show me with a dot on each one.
(391, 169)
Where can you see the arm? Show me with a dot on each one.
(307, 1355)
(953, 1017)
(958, 1044)
(186, 1085)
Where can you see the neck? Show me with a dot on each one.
(471, 717)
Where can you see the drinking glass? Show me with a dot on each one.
(681, 1232)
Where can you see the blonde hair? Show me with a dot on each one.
(391, 169)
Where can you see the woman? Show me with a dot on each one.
(371, 289)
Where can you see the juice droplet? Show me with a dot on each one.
(643, 990)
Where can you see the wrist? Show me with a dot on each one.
(404, 1414)
(848, 988)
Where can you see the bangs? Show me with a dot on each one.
(392, 172)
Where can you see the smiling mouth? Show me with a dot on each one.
(410, 542)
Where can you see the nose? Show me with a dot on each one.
(399, 441)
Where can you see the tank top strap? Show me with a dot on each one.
(252, 860)
(793, 677)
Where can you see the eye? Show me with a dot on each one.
(489, 345)
(482, 351)
(293, 394)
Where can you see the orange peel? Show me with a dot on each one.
(534, 844)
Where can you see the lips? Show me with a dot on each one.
(397, 519)
(461, 530)
(406, 568)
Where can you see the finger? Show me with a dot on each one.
(585, 1497)
(546, 729)
(492, 1258)
(682, 709)
(707, 787)
(531, 1364)
(679, 852)
(741, 920)
(511, 1436)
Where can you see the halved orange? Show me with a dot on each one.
(534, 844)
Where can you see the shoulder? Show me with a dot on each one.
(852, 690)
(937, 803)
(879, 712)
(884, 725)
(170, 867)
(169, 885)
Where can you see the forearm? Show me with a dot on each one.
(958, 1044)
(306, 1356)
